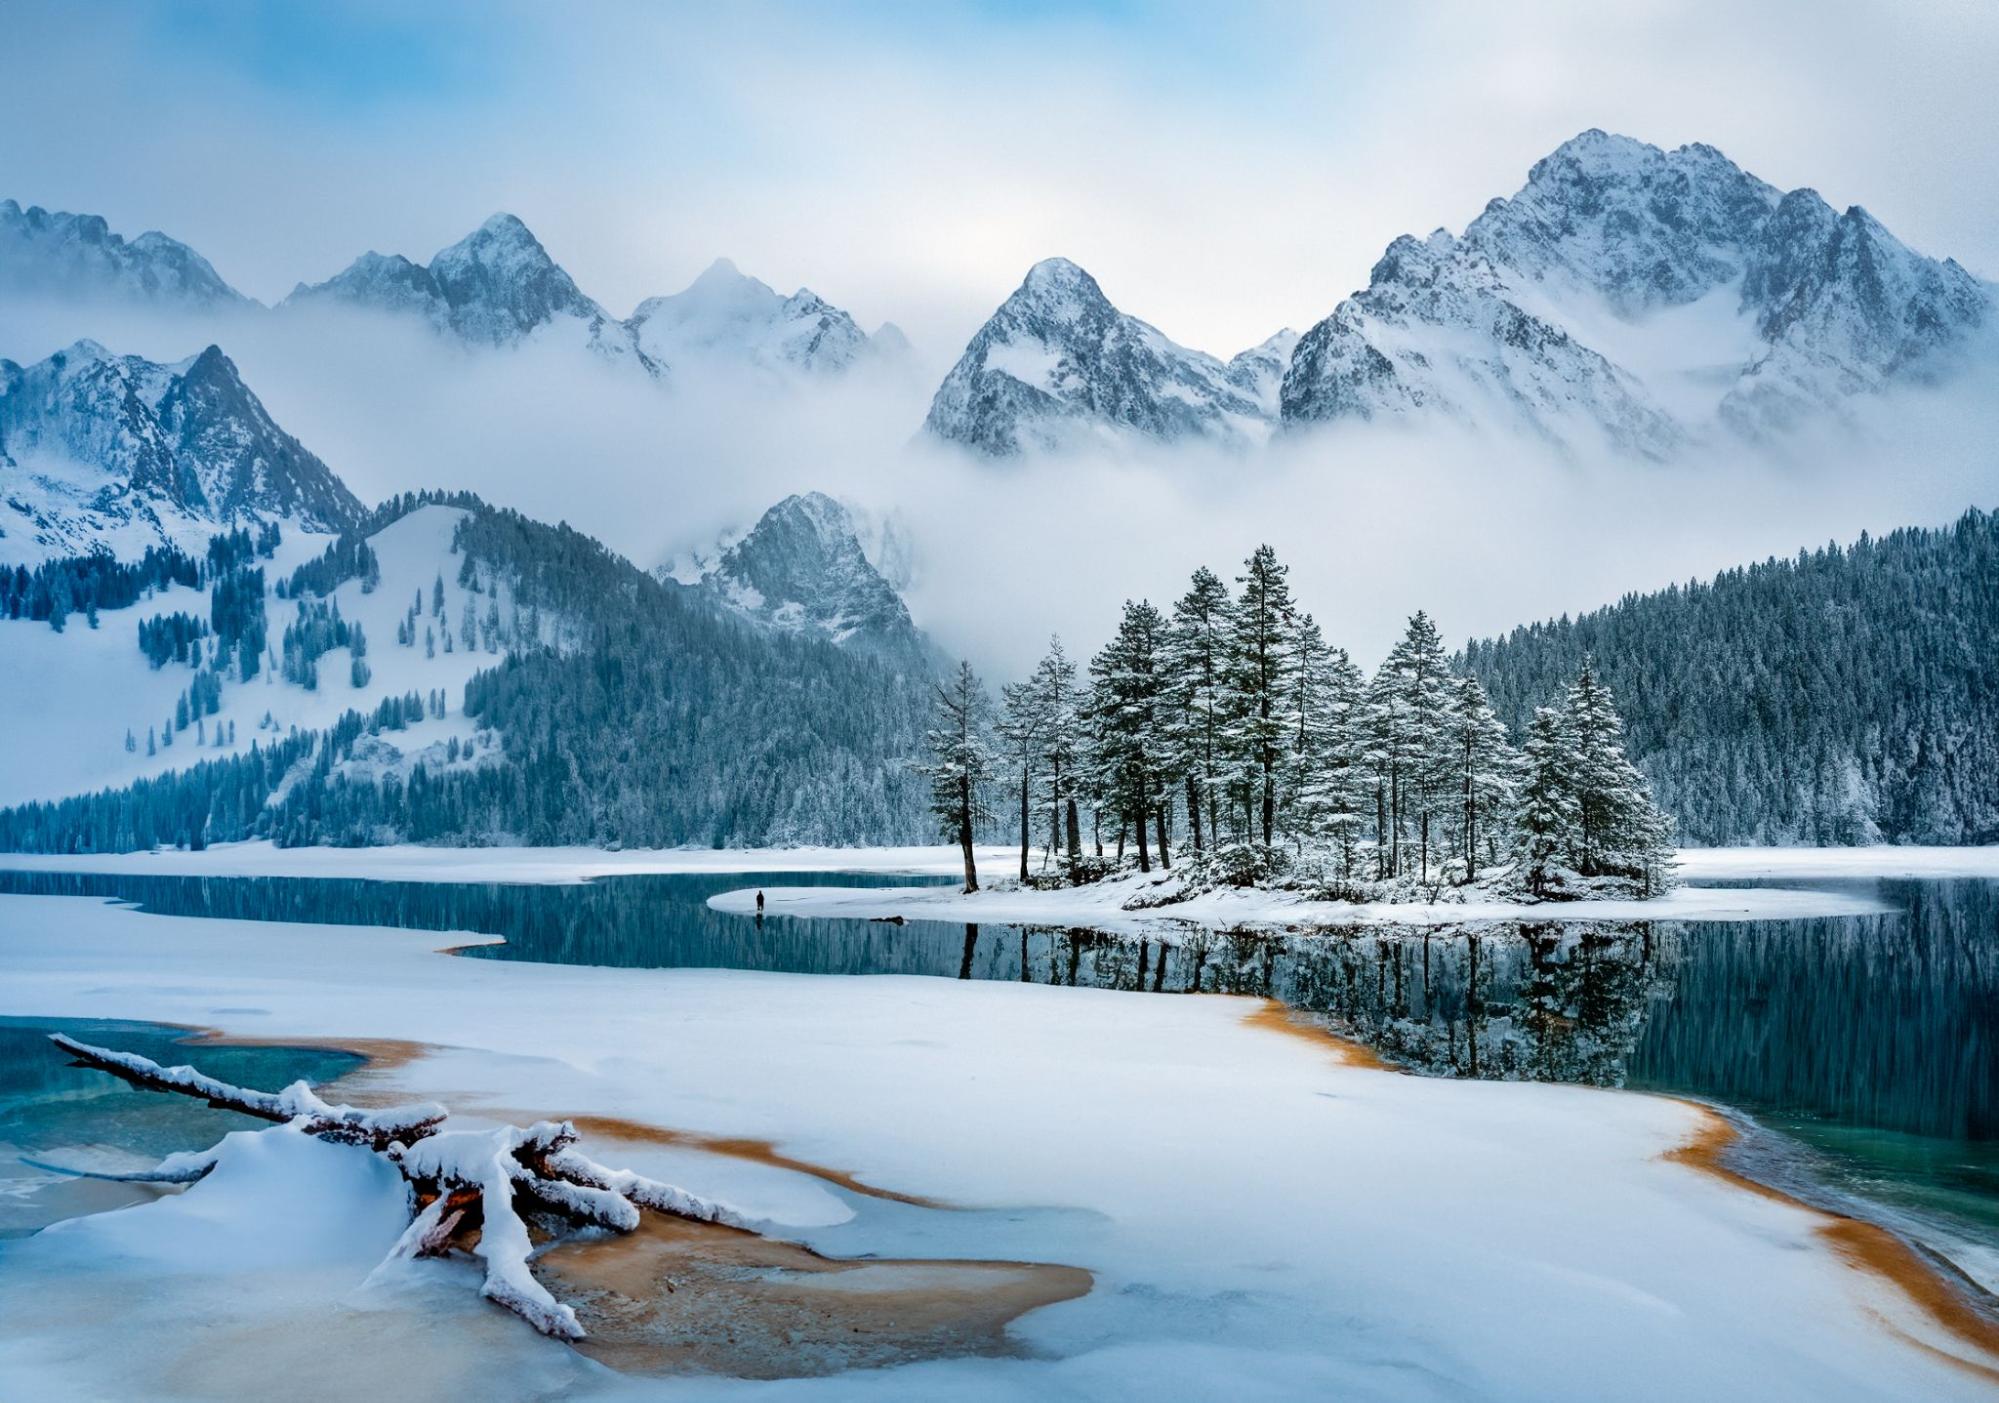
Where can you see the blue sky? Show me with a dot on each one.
(1224, 170)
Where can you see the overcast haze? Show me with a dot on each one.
(1224, 170)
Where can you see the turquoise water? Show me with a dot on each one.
(54, 1111)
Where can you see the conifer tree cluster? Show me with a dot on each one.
(1228, 728)
(84, 584)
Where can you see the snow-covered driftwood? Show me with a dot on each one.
(346, 1124)
(495, 1182)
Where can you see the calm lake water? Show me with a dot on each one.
(1871, 1044)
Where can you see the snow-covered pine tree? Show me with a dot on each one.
(1055, 682)
(1259, 664)
(1341, 796)
(1310, 757)
(1619, 830)
(1416, 689)
(1544, 819)
(960, 764)
(1487, 772)
(1122, 718)
(1193, 663)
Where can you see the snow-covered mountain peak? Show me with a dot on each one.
(723, 274)
(99, 451)
(725, 319)
(1637, 225)
(802, 569)
(1061, 290)
(53, 253)
(82, 351)
(497, 286)
(1057, 359)
(501, 284)
(1636, 296)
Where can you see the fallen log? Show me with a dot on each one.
(346, 1124)
(460, 1181)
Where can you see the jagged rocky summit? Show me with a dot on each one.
(119, 452)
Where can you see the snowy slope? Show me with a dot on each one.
(1643, 298)
(1057, 362)
(725, 318)
(802, 569)
(495, 287)
(119, 452)
(66, 733)
(52, 253)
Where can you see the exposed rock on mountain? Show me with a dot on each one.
(118, 452)
(801, 569)
(46, 253)
(1259, 371)
(1057, 360)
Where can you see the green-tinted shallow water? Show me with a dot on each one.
(54, 1111)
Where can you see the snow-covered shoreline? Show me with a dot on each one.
(1380, 1235)
(1101, 906)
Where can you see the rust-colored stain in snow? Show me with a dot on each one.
(1277, 1018)
(1866, 1248)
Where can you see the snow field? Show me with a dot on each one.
(63, 724)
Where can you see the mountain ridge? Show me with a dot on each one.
(78, 255)
(1561, 310)
(119, 452)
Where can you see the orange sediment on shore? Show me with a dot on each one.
(1947, 1303)
(1274, 1016)
(684, 1297)
(740, 1147)
(383, 1054)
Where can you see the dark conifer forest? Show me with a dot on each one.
(1846, 695)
